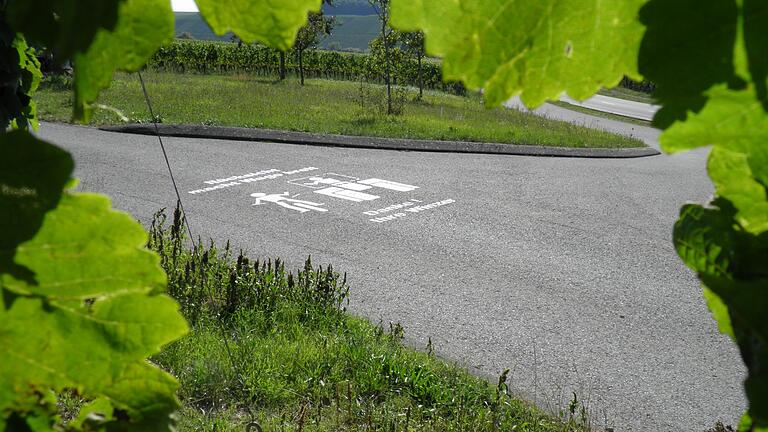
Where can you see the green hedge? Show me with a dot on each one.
(213, 57)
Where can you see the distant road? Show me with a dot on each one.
(562, 270)
(622, 107)
(648, 135)
(607, 104)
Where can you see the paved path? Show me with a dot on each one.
(648, 135)
(623, 107)
(560, 269)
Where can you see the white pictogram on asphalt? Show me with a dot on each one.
(346, 194)
(349, 188)
(283, 200)
(386, 184)
(333, 185)
(329, 179)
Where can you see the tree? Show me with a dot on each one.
(390, 52)
(414, 45)
(382, 8)
(393, 56)
(318, 26)
(282, 70)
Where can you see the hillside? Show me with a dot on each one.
(352, 32)
(192, 23)
(349, 7)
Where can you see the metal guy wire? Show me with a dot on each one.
(167, 163)
(235, 367)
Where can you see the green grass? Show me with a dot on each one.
(322, 106)
(304, 363)
(628, 94)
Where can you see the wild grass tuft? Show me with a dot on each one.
(278, 349)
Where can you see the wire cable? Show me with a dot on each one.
(165, 155)
(235, 366)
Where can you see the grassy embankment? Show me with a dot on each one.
(304, 363)
(322, 106)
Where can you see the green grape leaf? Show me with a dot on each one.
(730, 262)
(98, 311)
(730, 118)
(745, 304)
(70, 250)
(274, 23)
(144, 386)
(65, 26)
(94, 416)
(32, 175)
(19, 78)
(536, 48)
(142, 28)
(705, 239)
(735, 181)
(722, 45)
(756, 46)
(748, 303)
(686, 53)
(719, 312)
(710, 69)
(747, 425)
(29, 81)
(736, 124)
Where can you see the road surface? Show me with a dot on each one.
(559, 269)
(648, 135)
(623, 107)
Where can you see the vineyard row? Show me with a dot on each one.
(211, 57)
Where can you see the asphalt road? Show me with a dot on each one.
(559, 269)
(626, 108)
(649, 136)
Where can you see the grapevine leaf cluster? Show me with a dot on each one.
(710, 69)
(82, 303)
(87, 321)
(535, 48)
(725, 107)
(135, 38)
(65, 26)
(32, 177)
(19, 78)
